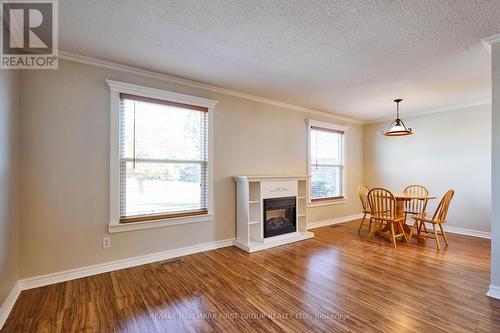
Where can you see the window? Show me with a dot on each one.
(326, 161)
(162, 170)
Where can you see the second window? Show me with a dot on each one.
(326, 162)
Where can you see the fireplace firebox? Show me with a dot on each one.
(279, 216)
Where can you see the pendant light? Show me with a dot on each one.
(397, 127)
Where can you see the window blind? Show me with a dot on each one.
(327, 163)
(163, 159)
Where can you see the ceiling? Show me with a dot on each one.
(347, 57)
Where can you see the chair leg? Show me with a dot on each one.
(412, 230)
(370, 225)
(393, 235)
(370, 235)
(444, 234)
(361, 224)
(405, 236)
(436, 236)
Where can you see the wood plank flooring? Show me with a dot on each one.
(336, 282)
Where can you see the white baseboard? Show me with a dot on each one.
(462, 231)
(334, 221)
(494, 292)
(44, 280)
(468, 232)
(8, 304)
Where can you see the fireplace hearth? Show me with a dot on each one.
(279, 216)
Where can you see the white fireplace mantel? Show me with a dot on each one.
(251, 191)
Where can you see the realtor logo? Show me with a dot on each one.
(29, 34)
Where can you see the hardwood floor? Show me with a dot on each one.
(337, 281)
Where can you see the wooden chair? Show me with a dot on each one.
(415, 206)
(439, 218)
(383, 210)
(363, 196)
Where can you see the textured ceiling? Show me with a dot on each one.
(348, 57)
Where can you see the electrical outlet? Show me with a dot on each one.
(106, 242)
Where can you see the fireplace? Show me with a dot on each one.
(279, 216)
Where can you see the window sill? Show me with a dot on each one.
(122, 227)
(326, 203)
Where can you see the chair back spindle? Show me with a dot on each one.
(382, 203)
(416, 206)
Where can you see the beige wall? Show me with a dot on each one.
(65, 158)
(448, 150)
(9, 222)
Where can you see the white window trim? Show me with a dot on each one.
(116, 88)
(316, 123)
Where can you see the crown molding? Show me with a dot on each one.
(488, 41)
(156, 75)
(432, 111)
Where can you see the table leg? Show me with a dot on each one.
(400, 213)
(400, 208)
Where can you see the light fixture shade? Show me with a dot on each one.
(398, 127)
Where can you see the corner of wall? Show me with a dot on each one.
(9, 194)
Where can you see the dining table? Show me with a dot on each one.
(401, 198)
